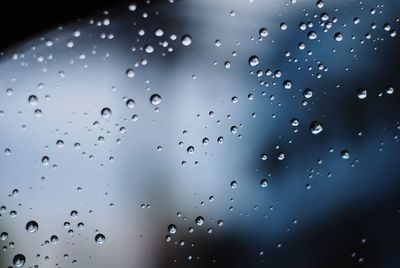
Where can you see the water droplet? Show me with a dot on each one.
(38, 112)
(54, 239)
(389, 90)
(172, 229)
(45, 160)
(186, 40)
(32, 226)
(316, 127)
(60, 143)
(264, 183)
(263, 32)
(287, 84)
(3, 236)
(190, 150)
(205, 141)
(159, 32)
(199, 220)
(338, 36)
(74, 214)
(361, 93)
(155, 99)
(233, 184)
(345, 154)
(254, 61)
(307, 93)
(149, 49)
(312, 35)
(33, 100)
(132, 7)
(100, 238)
(294, 122)
(130, 73)
(106, 112)
(19, 260)
(130, 103)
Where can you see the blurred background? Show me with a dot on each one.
(192, 133)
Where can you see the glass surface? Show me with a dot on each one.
(247, 133)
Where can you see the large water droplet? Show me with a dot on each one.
(32, 226)
(19, 260)
(287, 84)
(3, 236)
(130, 73)
(345, 154)
(264, 183)
(45, 160)
(172, 229)
(33, 100)
(199, 220)
(106, 112)
(361, 93)
(190, 149)
(130, 103)
(312, 35)
(155, 99)
(254, 61)
(54, 239)
(100, 238)
(316, 127)
(338, 36)
(263, 32)
(186, 40)
(149, 49)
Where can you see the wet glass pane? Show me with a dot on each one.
(246, 133)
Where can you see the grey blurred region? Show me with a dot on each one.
(130, 176)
